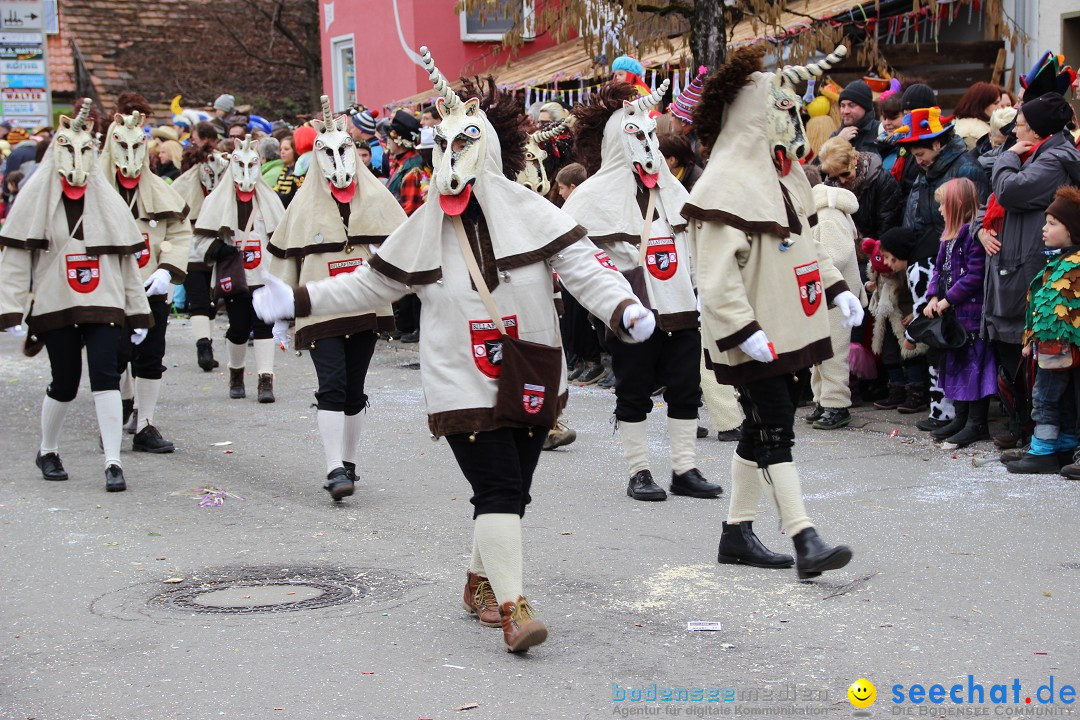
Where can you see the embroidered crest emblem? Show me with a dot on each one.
(661, 258)
(603, 258)
(143, 256)
(252, 250)
(83, 272)
(337, 267)
(487, 344)
(808, 277)
(226, 284)
(532, 398)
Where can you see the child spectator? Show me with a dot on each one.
(1050, 332)
(968, 375)
(568, 178)
(11, 189)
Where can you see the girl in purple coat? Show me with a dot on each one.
(968, 375)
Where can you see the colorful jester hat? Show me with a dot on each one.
(1049, 74)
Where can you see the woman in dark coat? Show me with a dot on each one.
(880, 204)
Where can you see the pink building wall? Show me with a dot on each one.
(384, 72)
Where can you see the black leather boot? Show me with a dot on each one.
(740, 546)
(236, 383)
(693, 484)
(813, 556)
(114, 479)
(204, 349)
(339, 484)
(51, 468)
(642, 487)
(350, 468)
(955, 425)
(266, 387)
(975, 429)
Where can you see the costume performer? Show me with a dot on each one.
(517, 239)
(238, 217)
(161, 215)
(633, 179)
(339, 211)
(763, 283)
(73, 241)
(198, 181)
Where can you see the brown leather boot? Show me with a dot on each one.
(236, 383)
(480, 600)
(521, 629)
(266, 387)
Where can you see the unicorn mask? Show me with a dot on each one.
(212, 170)
(73, 151)
(639, 136)
(245, 168)
(127, 146)
(336, 153)
(784, 127)
(460, 143)
(534, 176)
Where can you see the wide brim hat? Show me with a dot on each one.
(924, 124)
(405, 128)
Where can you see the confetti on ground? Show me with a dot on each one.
(703, 626)
(222, 444)
(209, 495)
(173, 581)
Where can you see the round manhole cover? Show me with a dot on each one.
(260, 593)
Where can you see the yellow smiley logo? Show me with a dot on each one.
(862, 693)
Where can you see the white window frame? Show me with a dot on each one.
(340, 93)
(527, 13)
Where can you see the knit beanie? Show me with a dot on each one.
(629, 64)
(1066, 208)
(918, 96)
(365, 121)
(872, 249)
(1047, 114)
(859, 93)
(900, 242)
(683, 106)
(224, 103)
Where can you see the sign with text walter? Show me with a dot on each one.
(22, 15)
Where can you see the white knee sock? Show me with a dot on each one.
(498, 537)
(53, 413)
(354, 425)
(787, 492)
(264, 356)
(476, 565)
(745, 491)
(237, 354)
(127, 385)
(109, 416)
(635, 446)
(200, 327)
(146, 397)
(682, 434)
(331, 429)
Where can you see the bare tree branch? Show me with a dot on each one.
(675, 8)
(251, 53)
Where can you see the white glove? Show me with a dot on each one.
(850, 308)
(274, 300)
(639, 322)
(158, 282)
(17, 331)
(138, 336)
(281, 333)
(758, 347)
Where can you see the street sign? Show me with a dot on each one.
(22, 15)
(26, 108)
(21, 52)
(21, 38)
(22, 81)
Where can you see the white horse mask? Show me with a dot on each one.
(460, 143)
(336, 153)
(127, 145)
(784, 129)
(245, 168)
(73, 151)
(534, 174)
(212, 169)
(639, 135)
